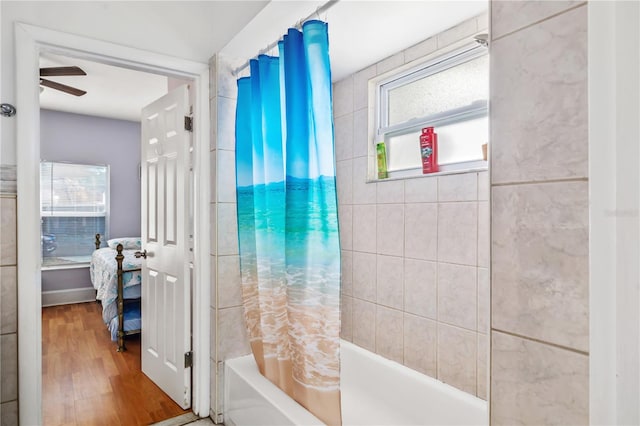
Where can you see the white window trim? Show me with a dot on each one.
(434, 66)
(384, 131)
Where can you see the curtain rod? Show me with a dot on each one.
(318, 11)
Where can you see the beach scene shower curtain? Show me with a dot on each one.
(288, 222)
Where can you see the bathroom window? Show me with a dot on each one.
(74, 206)
(451, 94)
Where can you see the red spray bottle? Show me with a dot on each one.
(429, 150)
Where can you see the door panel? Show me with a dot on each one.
(166, 298)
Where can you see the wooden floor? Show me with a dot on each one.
(86, 382)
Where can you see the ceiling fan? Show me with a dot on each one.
(58, 72)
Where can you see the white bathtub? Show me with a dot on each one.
(375, 391)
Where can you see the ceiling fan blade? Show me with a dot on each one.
(62, 87)
(59, 71)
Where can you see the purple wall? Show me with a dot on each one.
(85, 139)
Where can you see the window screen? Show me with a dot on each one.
(74, 206)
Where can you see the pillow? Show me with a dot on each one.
(128, 243)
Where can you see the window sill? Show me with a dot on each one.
(417, 173)
(60, 267)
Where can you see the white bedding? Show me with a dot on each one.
(103, 270)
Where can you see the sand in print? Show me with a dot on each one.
(287, 223)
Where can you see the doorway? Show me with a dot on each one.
(90, 121)
(30, 42)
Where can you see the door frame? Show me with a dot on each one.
(29, 42)
(614, 206)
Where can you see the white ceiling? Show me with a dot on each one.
(360, 33)
(112, 92)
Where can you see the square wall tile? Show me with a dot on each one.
(8, 300)
(214, 282)
(482, 370)
(389, 333)
(421, 231)
(363, 192)
(390, 63)
(361, 133)
(9, 365)
(390, 289)
(457, 357)
(226, 124)
(457, 33)
(343, 127)
(344, 182)
(213, 116)
(212, 176)
(533, 383)
(364, 324)
(421, 49)
(544, 230)
(484, 239)
(509, 16)
(483, 186)
(364, 228)
(346, 318)
(483, 21)
(8, 226)
(421, 190)
(390, 229)
(213, 232)
(226, 176)
(232, 333)
(213, 76)
(227, 83)
(420, 288)
(420, 344)
(229, 283)
(460, 187)
(361, 87)
(345, 220)
(541, 70)
(343, 97)
(346, 272)
(458, 233)
(364, 276)
(227, 229)
(390, 192)
(457, 295)
(9, 416)
(484, 300)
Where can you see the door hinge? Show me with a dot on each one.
(188, 359)
(188, 123)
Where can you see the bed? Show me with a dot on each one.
(116, 275)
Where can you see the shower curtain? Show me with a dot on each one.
(287, 219)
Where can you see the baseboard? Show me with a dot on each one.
(66, 297)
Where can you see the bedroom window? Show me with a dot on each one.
(74, 207)
(450, 93)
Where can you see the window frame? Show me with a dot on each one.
(106, 215)
(480, 109)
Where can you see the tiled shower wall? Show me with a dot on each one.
(8, 298)
(540, 244)
(415, 252)
(228, 333)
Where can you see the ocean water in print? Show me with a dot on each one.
(288, 221)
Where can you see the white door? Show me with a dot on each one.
(166, 298)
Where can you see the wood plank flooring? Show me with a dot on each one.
(86, 382)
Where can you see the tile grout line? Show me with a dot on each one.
(532, 339)
(538, 182)
(538, 22)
